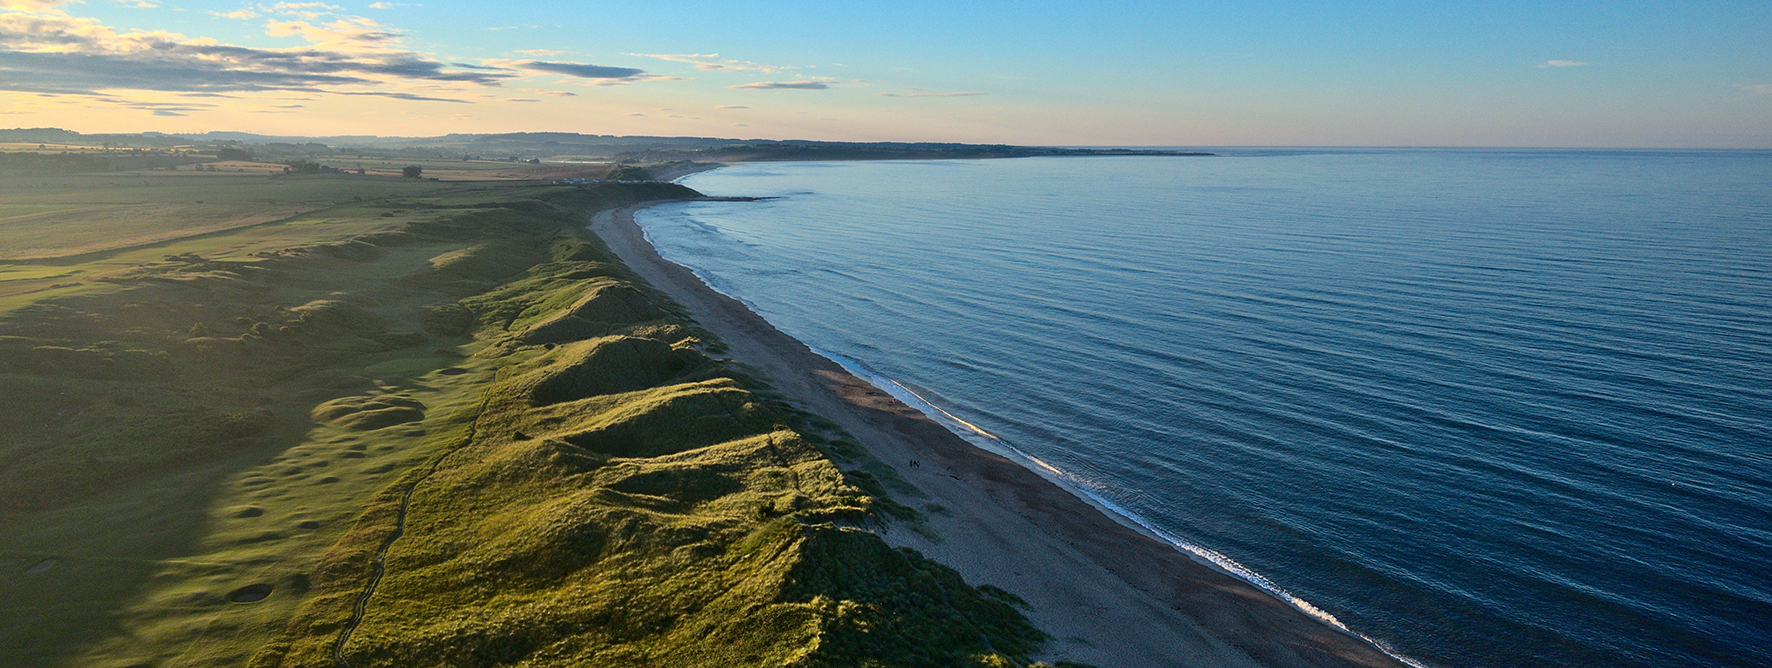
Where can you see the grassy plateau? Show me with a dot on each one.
(349, 420)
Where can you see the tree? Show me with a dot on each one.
(232, 154)
(412, 171)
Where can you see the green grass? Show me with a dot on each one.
(578, 484)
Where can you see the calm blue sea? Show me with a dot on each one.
(1489, 407)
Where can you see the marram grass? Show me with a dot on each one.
(457, 435)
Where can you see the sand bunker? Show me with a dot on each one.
(369, 412)
(252, 593)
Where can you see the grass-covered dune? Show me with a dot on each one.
(461, 434)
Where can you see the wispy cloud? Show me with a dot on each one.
(306, 10)
(238, 14)
(1762, 89)
(731, 106)
(918, 92)
(342, 31)
(160, 108)
(1562, 63)
(30, 5)
(540, 52)
(580, 70)
(712, 62)
(804, 84)
(414, 97)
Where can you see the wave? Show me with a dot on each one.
(1076, 485)
(1083, 488)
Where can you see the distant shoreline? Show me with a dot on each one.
(1088, 573)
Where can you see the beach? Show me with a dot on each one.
(1109, 593)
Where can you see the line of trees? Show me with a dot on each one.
(51, 163)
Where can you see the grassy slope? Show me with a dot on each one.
(460, 435)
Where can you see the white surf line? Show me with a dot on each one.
(1076, 485)
(1079, 487)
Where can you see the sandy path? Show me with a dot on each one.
(1109, 595)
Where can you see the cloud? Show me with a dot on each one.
(741, 125)
(46, 51)
(138, 4)
(541, 52)
(306, 10)
(712, 62)
(160, 108)
(399, 96)
(731, 106)
(238, 15)
(804, 84)
(391, 5)
(1762, 89)
(918, 92)
(30, 5)
(521, 99)
(1562, 63)
(341, 32)
(54, 53)
(580, 70)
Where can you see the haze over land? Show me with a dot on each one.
(1131, 74)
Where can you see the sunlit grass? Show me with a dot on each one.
(580, 485)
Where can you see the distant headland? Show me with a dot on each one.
(559, 147)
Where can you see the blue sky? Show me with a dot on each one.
(1301, 73)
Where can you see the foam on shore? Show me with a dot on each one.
(1075, 485)
(1079, 487)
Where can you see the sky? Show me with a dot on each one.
(1546, 73)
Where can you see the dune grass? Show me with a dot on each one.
(458, 434)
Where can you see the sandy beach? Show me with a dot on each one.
(1110, 594)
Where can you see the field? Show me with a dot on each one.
(325, 420)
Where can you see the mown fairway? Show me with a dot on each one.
(339, 420)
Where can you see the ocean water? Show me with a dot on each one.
(1486, 407)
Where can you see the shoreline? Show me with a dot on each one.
(1200, 554)
(679, 173)
(991, 443)
(1111, 591)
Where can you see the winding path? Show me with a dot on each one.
(378, 564)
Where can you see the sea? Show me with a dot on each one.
(1481, 407)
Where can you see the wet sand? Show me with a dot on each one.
(1109, 593)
